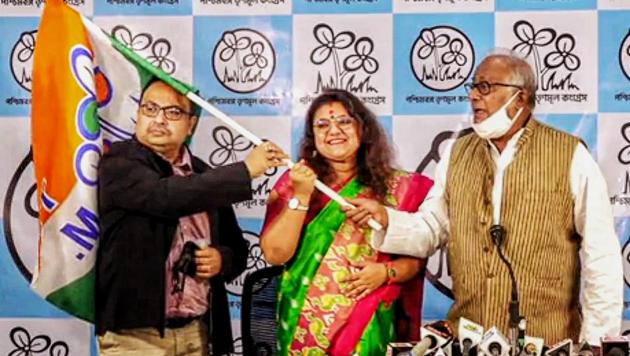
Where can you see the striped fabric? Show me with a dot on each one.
(541, 242)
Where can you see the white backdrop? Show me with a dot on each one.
(263, 61)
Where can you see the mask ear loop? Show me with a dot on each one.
(520, 110)
(511, 99)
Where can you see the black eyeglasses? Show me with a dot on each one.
(171, 113)
(484, 88)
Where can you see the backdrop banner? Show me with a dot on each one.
(263, 61)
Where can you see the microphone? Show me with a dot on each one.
(517, 322)
(615, 345)
(399, 349)
(562, 348)
(494, 343)
(434, 336)
(585, 349)
(470, 334)
(533, 346)
(421, 348)
(497, 232)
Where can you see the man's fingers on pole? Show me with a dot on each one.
(351, 212)
(364, 222)
(360, 215)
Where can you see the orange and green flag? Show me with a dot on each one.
(86, 87)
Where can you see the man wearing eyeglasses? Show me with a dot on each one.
(169, 237)
(541, 193)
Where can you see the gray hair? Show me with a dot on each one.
(522, 73)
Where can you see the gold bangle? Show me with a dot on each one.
(391, 272)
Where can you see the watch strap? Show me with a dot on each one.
(295, 204)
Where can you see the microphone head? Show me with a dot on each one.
(533, 346)
(438, 351)
(434, 336)
(615, 345)
(562, 348)
(585, 349)
(495, 348)
(440, 332)
(455, 348)
(616, 351)
(426, 344)
(399, 349)
(470, 334)
(494, 343)
(497, 232)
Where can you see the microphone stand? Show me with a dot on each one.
(517, 322)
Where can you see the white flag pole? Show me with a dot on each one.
(97, 31)
(257, 141)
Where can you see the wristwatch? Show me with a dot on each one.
(294, 204)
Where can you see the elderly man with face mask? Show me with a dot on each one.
(547, 195)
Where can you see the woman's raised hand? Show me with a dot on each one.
(303, 179)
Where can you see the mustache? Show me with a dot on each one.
(158, 128)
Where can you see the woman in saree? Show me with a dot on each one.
(337, 294)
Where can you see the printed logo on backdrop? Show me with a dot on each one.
(20, 210)
(20, 215)
(21, 62)
(624, 63)
(255, 261)
(345, 61)
(238, 346)
(623, 157)
(442, 58)
(554, 60)
(229, 147)
(244, 61)
(156, 51)
(438, 272)
(24, 344)
(625, 252)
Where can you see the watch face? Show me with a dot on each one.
(294, 203)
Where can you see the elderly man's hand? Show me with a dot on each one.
(208, 261)
(365, 210)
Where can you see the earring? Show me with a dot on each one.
(314, 154)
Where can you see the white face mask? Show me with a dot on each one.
(497, 124)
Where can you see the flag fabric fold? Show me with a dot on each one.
(86, 88)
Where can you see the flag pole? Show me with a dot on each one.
(214, 111)
(257, 141)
